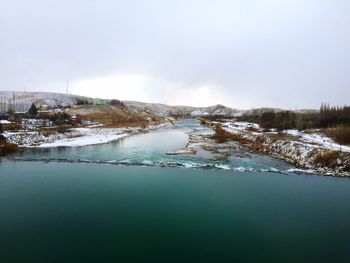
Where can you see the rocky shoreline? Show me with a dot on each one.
(306, 156)
(76, 137)
(225, 140)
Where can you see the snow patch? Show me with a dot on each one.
(319, 139)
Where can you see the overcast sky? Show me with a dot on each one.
(240, 53)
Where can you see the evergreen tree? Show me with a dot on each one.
(33, 111)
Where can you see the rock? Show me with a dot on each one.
(182, 151)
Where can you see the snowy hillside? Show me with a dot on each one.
(162, 110)
(21, 101)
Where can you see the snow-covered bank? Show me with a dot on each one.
(74, 137)
(315, 138)
(310, 151)
(90, 137)
(318, 139)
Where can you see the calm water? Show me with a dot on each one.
(58, 212)
(88, 212)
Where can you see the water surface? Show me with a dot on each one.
(77, 207)
(62, 212)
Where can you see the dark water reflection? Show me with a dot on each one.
(61, 212)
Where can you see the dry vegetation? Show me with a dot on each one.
(327, 159)
(6, 148)
(202, 121)
(11, 127)
(109, 115)
(283, 137)
(288, 148)
(339, 134)
(257, 145)
(222, 136)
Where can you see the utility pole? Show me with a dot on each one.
(67, 87)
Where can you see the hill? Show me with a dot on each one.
(86, 106)
(102, 109)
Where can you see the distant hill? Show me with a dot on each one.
(21, 101)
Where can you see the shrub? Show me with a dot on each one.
(8, 148)
(327, 159)
(202, 121)
(340, 134)
(62, 129)
(33, 111)
(12, 127)
(83, 101)
(222, 136)
(2, 140)
(117, 103)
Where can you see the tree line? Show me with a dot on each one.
(327, 117)
(333, 116)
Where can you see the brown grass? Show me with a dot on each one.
(283, 137)
(222, 136)
(106, 114)
(202, 121)
(340, 134)
(12, 127)
(257, 145)
(114, 120)
(327, 159)
(143, 124)
(63, 128)
(47, 131)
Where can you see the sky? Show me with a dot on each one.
(244, 54)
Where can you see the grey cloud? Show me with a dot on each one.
(260, 53)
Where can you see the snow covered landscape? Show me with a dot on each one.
(75, 137)
(63, 120)
(21, 102)
(299, 148)
(175, 131)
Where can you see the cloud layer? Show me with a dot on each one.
(291, 54)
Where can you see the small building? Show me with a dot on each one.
(74, 120)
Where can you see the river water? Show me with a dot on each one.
(151, 149)
(57, 211)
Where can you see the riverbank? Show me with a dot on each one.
(237, 146)
(308, 151)
(77, 137)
